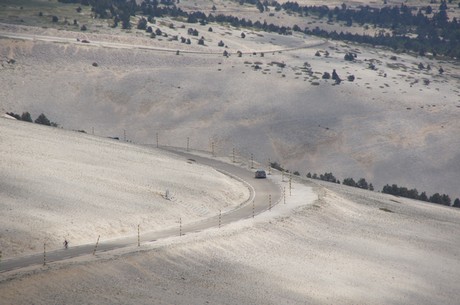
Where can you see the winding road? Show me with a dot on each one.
(258, 202)
(119, 45)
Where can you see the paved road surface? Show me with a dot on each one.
(257, 203)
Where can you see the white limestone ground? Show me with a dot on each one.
(57, 185)
(348, 246)
(328, 244)
(395, 123)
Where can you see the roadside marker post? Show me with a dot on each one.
(138, 235)
(269, 167)
(220, 218)
(157, 138)
(252, 160)
(253, 209)
(97, 243)
(270, 202)
(233, 155)
(212, 149)
(284, 194)
(188, 143)
(290, 184)
(44, 254)
(180, 226)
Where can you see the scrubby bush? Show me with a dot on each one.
(142, 24)
(349, 56)
(276, 166)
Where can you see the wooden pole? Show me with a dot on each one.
(270, 202)
(252, 160)
(138, 235)
(290, 184)
(97, 243)
(233, 154)
(44, 254)
(253, 209)
(284, 194)
(269, 167)
(157, 138)
(180, 226)
(220, 218)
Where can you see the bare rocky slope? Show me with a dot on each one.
(387, 126)
(327, 244)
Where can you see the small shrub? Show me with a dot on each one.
(350, 56)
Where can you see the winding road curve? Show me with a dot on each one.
(258, 202)
(118, 45)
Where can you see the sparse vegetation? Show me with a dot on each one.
(26, 117)
(413, 194)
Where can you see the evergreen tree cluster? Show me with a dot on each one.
(413, 193)
(26, 117)
(435, 33)
(362, 183)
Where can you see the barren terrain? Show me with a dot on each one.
(395, 123)
(327, 244)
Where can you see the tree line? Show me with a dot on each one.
(435, 32)
(394, 189)
(26, 117)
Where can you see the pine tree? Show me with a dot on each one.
(26, 117)
(42, 119)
